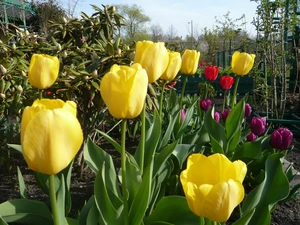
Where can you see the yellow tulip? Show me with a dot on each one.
(242, 63)
(124, 90)
(213, 185)
(190, 60)
(173, 66)
(43, 70)
(153, 57)
(51, 135)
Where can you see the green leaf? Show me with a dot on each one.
(71, 221)
(110, 213)
(181, 152)
(25, 211)
(42, 181)
(116, 145)
(22, 186)
(16, 147)
(60, 201)
(250, 150)
(166, 138)
(96, 158)
(83, 216)
(2, 221)
(235, 119)
(245, 219)
(265, 196)
(172, 210)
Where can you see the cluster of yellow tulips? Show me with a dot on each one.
(51, 134)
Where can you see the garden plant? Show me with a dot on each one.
(193, 164)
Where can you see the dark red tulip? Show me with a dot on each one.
(171, 85)
(258, 125)
(281, 138)
(205, 104)
(226, 82)
(225, 114)
(202, 64)
(211, 73)
(217, 117)
(248, 110)
(251, 137)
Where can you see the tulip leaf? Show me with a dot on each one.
(215, 130)
(105, 201)
(95, 158)
(166, 138)
(42, 181)
(25, 211)
(94, 216)
(16, 147)
(245, 219)
(60, 200)
(181, 152)
(2, 221)
(172, 210)
(234, 119)
(274, 188)
(85, 211)
(110, 140)
(248, 149)
(22, 186)
(71, 221)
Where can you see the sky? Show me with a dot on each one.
(180, 13)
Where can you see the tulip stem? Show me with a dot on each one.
(182, 91)
(143, 138)
(53, 200)
(40, 94)
(161, 99)
(123, 167)
(236, 83)
(224, 101)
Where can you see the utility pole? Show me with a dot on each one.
(192, 33)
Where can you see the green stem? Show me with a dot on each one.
(143, 138)
(40, 94)
(161, 99)
(234, 91)
(224, 101)
(123, 167)
(53, 200)
(206, 90)
(182, 91)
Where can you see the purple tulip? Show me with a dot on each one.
(205, 104)
(248, 110)
(281, 138)
(251, 137)
(225, 114)
(217, 117)
(182, 114)
(258, 125)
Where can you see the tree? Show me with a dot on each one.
(135, 21)
(45, 11)
(72, 4)
(156, 32)
(172, 33)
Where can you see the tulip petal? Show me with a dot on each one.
(51, 140)
(241, 170)
(222, 199)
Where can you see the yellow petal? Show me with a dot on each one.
(51, 140)
(190, 60)
(222, 199)
(173, 66)
(241, 170)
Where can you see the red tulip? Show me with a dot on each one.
(202, 64)
(171, 85)
(226, 82)
(211, 73)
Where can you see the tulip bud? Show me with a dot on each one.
(258, 125)
(225, 114)
(59, 47)
(190, 59)
(248, 110)
(242, 63)
(14, 47)
(4, 49)
(281, 139)
(217, 117)
(119, 52)
(251, 137)
(23, 74)
(19, 89)
(3, 69)
(27, 33)
(65, 53)
(86, 78)
(65, 20)
(182, 114)
(205, 104)
(2, 95)
(95, 74)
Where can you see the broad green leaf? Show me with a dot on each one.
(25, 211)
(2, 221)
(173, 210)
(95, 158)
(245, 219)
(60, 200)
(42, 181)
(71, 221)
(104, 203)
(22, 186)
(181, 152)
(166, 138)
(93, 217)
(235, 119)
(85, 211)
(265, 196)
(248, 149)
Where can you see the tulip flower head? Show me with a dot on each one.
(124, 89)
(190, 59)
(51, 135)
(226, 82)
(211, 73)
(153, 57)
(281, 139)
(171, 85)
(242, 63)
(182, 114)
(43, 70)
(202, 64)
(258, 125)
(248, 110)
(225, 114)
(173, 66)
(205, 104)
(213, 185)
(251, 137)
(217, 117)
